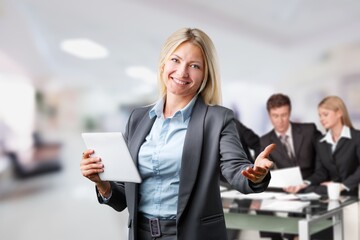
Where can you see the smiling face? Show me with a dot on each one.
(183, 72)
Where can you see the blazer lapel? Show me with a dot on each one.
(339, 145)
(139, 135)
(134, 145)
(325, 148)
(279, 152)
(191, 154)
(280, 155)
(297, 140)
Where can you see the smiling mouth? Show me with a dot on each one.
(179, 81)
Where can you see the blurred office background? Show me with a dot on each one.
(68, 67)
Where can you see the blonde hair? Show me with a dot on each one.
(335, 103)
(210, 89)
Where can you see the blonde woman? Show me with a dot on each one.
(181, 145)
(338, 151)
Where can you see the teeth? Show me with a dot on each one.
(179, 82)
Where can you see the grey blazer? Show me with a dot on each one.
(211, 146)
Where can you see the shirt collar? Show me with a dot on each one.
(345, 133)
(157, 110)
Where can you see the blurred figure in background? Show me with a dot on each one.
(338, 155)
(296, 142)
(338, 151)
(36, 159)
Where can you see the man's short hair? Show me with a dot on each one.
(278, 100)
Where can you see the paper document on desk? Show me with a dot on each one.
(285, 177)
(308, 196)
(299, 196)
(234, 194)
(279, 205)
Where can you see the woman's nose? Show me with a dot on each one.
(183, 71)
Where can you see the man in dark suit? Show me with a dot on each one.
(295, 141)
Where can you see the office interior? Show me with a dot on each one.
(49, 94)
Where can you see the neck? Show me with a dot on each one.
(336, 132)
(284, 132)
(174, 104)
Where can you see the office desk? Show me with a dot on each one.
(317, 215)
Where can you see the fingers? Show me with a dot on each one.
(294, 189)
(251, 177)
(90, 166)
(89, 161)
(263, 163)
(92, 174)
(248, 175)
(261, 166)
(267, 151)
(87, 153)
(290, 189)
(257, 171)
(256, 175)
(325, 183)
(262, 160)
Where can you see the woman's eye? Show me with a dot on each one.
(174, 60)
(195, 66)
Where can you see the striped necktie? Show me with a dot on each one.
(285, 141)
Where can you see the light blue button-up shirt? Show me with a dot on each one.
(160, 162)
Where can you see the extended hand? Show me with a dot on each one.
(261, 167)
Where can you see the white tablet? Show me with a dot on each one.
(114, 153)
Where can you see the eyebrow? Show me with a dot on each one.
(193, 61)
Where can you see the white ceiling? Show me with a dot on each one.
(257, 41)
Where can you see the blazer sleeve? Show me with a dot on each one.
(233, 159)
(117, 200)
(353, 180)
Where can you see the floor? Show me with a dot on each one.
(61, 205)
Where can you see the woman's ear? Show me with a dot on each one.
(339, 113)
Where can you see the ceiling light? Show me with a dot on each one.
(143, 73)
(84, 48)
